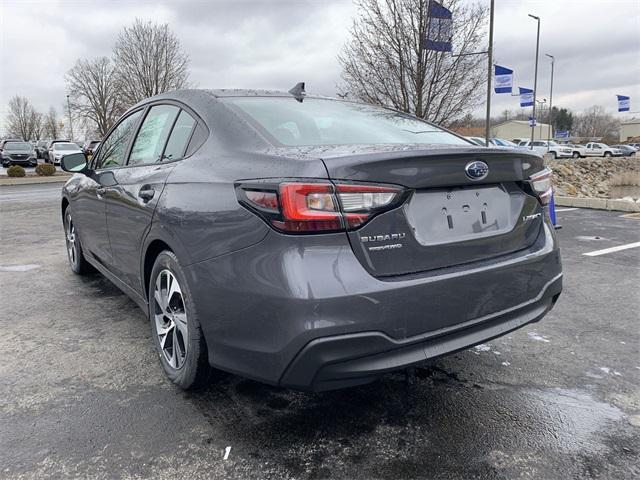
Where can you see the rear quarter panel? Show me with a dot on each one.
(198, 211)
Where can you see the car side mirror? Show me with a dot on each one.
(74, 163)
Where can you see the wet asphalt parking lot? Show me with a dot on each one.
(82, 394)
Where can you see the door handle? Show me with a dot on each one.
(146, 194)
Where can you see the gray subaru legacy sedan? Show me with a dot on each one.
(309, 242)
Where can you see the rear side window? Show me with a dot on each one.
(318, 121)
(197, 139)
(179, 137)
(153, 134)
(114, 148)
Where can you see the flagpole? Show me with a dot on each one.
(535, 81)
(487, 132)
(553, 60)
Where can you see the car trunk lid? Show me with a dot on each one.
(449, 219)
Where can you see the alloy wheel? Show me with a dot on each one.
(72, 246)
(170, 316)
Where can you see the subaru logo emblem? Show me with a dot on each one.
(477, 170)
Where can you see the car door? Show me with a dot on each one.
(132, 200)
(89, 204)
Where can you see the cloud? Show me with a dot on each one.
(274, 44)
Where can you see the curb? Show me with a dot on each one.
(598, 204)
(33, 180)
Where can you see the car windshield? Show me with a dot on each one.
(65, 146)
(18, 146)
(332, 122)
(552, 143)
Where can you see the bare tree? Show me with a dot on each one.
(149, 60)
(385, 61)
(37, 125)
(22, 120)
(94, 94)
(51, 124)
(596, 123)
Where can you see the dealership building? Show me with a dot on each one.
(512, 129)
(629, 129)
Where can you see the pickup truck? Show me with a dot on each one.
(542, 147)
(595, 149)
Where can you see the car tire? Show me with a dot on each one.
(75, 254)
(607, 154)
(175, 325)
(575, 155)
(555, 155)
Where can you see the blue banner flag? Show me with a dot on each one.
(624, 103)
(562, 134)
(532, 122)
(526, 97)
(502, 79)
(439, 28)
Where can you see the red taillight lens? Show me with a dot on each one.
(307, 207)
(266, 200)
(542, 186)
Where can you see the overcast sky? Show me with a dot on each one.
(276, 43)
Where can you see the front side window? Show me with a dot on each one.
(113, 151)
(153, 134)
(332, 122)
(180, 136)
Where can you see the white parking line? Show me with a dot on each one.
(604, 251)
(565, 209)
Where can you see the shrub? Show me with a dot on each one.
(45, 169)
(16, 171)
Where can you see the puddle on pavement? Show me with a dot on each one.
(579, 416)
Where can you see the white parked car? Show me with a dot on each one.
(544, 146)
(579, 151)
(60, 149)
(595, 149)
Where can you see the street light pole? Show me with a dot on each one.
(535, 81)
(553, 59)
(70, 121)
(487, 132)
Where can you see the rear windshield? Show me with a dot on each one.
(332, 122)
(65, 146)
(18, 146)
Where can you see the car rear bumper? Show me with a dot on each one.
(302, 312)
(347, 360)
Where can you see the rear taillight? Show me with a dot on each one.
(541, 185)
(308, 207)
